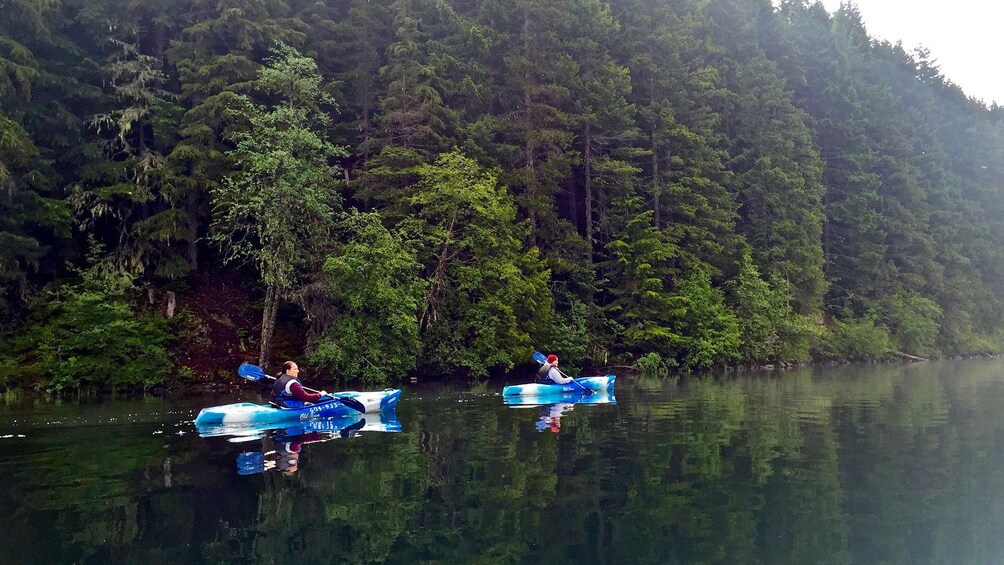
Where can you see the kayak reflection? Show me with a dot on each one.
(281, 444)
(551, 412)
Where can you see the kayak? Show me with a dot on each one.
(574, 397)
(249, 413)
(242, 432)
(595, 384)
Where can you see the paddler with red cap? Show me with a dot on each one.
(549, 372)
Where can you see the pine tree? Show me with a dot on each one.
(638, 276)
(216, 56)
(123, 195)
(776, 166)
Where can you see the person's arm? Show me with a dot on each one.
(555, 376)
(300, 394)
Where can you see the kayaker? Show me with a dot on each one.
(549, 372)
(287, 386)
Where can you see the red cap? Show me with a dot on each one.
(552, 358)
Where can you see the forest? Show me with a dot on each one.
(443, 186)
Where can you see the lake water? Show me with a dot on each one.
(864, 464)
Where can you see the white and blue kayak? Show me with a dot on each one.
(380, 422)
(249, 413)
(582, 385)
(579, 397)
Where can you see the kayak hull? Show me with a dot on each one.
(379, 422)
(249, 413)
(595, 384)
(605, 397)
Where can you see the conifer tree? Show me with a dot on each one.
(215, 57)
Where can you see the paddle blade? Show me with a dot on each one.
(539, 357)
(352, 403)
(251, 372)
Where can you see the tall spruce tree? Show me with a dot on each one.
(216, 57)
(776, 165)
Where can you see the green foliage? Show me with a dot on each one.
(374, 293)
(809, 170)
(652, 365)
(710, 329)
(89, 334)
(858, 339)
(569, 334)
(275, 211)
(772, 332)
(912, 321)
(487, 300)
(637, 274)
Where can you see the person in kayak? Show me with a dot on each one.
(549, 372)
(287, 387)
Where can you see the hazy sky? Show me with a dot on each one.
(964, 36)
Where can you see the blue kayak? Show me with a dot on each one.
(249, 413)
(380, 422)
(576, 397)
(595, 384)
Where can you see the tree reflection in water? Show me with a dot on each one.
(849, 465)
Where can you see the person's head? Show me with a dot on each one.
(288, 463)
(291, 368)
(552, 359)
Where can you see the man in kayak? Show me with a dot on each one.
(287, 387)
(549, 372)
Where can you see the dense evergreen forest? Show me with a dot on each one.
(446, 185)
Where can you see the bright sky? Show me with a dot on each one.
(965, 37)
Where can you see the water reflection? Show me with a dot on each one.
(551, 412)
(281, 444)
(874, 464)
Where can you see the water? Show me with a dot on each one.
(886, 464)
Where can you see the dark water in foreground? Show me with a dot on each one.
(897, 464)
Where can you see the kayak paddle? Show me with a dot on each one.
(255, 373)
(539, 357)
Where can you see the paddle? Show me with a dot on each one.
(540, 358)
(255, 373)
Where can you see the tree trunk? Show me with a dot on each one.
(192, 210)
(573, 202)
(656, 189)
(429, 311)
(531, 192)
(268, 324)
(588, 187)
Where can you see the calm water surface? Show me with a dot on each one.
(890, 464)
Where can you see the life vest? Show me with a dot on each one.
(281, 387)
(543, 373)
